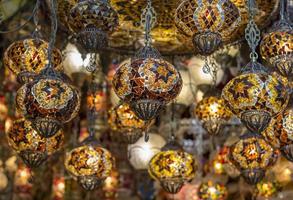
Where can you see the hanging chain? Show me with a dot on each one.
(284, 17)
(148, 21)
(54, 27)
(172, 121)
(210, 67)
(252, 32)
(36, 34)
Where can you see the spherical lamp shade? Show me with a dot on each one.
(212, 191)
(213, 114)
(280, 133)
(29, 57)
(172, 168)
(255, 98)
(141, 152)
(209, 23)
(90, 164)
(125, 125)
(252, 155)
(49, 103)
(277, 48)
(31, 147)
(92, 21)
(147, 85)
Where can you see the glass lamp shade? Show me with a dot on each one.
(147, 85)
(49, 103)
(213, 114)
(90, 164)
(29, 57)
(195, 66)
(31, 147)
(280, 133)
(268, 189)
(212, 191)
(126, 126)
(92, 21)
(255, 98)
(141, 152)
(277, 48)
(172, 168)
(252, 155)
(209, 23)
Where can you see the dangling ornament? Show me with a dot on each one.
(255, 96)
(252, 155)
(30, 146)
(148, 82)
(49, 100)
(89, 163)
(280, 133)
(92, 21)
(277, 45)
(213, 114)
(172, 167)
(126, 126)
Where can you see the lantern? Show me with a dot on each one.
(90, 164)
(147, 85)
(277, 45)
(28, 57)
(31, 147)
(141, 152)
(172, 167)
(252, 155)
(92, 21)
(125, 124)
(49, 102)
(256, 96)
(209, 23)
(212, 191)
(280, 133)
(213, 114)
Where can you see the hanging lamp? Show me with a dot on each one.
(148, 83)
(252, 156)
(212, 112)
(172, 167)
(277, 45)
(255, 96)
(49, 100)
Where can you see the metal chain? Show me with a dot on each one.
(54, 27)
(252, 32)
(148, 21)
(36, 33)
